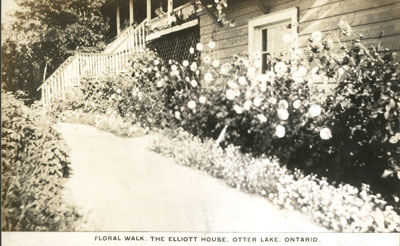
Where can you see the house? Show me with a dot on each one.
(264, 26)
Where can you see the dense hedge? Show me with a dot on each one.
(34, 168)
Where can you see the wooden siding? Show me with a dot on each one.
(368, 17)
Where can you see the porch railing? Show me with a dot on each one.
(93, 65)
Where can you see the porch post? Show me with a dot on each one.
(131, 19)
(148, 4)
(118, 20)
(170, 7)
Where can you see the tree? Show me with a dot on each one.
(43, 35)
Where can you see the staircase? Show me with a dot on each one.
(94, 65)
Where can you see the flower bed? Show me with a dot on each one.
(349, 134)
(34, 168)
(342, 208)
(109, 122)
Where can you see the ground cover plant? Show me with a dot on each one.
(343, 208)
(34, 168)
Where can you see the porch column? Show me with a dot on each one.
(170, 8)
(131, 19)
(118, 20)
(148, 4)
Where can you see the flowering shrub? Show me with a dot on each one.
(34, 168)
(349, 135)
(343, 208)
(359, 131)
(133, 94)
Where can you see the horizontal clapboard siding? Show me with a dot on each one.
(368, 17)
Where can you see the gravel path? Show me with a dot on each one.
(122, 186)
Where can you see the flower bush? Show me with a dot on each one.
(34, 168)
(342, 208)
(359, 130)
(133, 94)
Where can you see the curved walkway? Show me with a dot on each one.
(122, 186)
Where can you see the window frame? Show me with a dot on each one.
(256, 25)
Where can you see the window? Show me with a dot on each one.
(273, 34)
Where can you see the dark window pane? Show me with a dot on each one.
(264, 40)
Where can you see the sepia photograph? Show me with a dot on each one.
(192, 122)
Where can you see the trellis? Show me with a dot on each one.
(175, 46)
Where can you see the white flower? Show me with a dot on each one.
(174, 67)
(137, 74)
(283, 114)
(280, 131)
(297, 104)
(263, 86)
(193, 83)
(187, 79)
(298, 77)
(199, 46)
(325, 133)
(251, 71)
(283, 104)
(317, 76)
(261, 118)
(280, 68)
(257, 101)
(207, 60)
(215, 63)
(272, 100)
(238, 109)
(202, 99)
(262, 78)
(395, 138)
(177, 115)
(314, 111)
(156, 62)
(247, 94)
(112, 96)
(118, 91)
(193, 67)
(230, 94)
(270, 76)
(185, 63)
(302, 70)
(224, 70)
(191, 104)
(159, 83)
(175, 73)
(191, 50)
(211, 44)
(208, 77)
(232, 84)
(247, 105)
(242, 80)
(316, 36)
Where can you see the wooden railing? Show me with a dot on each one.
(93, 65)
(184, 10)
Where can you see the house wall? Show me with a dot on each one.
(368, 17)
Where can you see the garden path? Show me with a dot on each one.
(122, 186)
